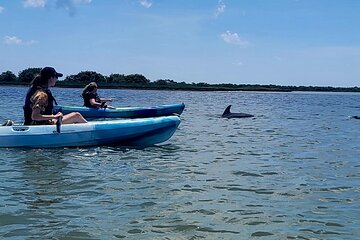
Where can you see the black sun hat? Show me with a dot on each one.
(49, 72)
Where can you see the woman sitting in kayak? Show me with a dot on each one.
(39, 101)
(92, 99)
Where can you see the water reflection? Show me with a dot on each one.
(43, 173)
(36, 189)
(292, 172)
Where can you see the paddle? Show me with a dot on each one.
(58, 124)
(103, 105)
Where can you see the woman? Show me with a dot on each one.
(39, 101)
(92, 99)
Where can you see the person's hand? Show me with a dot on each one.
(59, 114)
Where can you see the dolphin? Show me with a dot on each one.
(228, 114)
(355, 117)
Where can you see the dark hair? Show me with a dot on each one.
(39, 80)
(45, 74)
(88, 88)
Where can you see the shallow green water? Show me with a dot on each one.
(292, 172)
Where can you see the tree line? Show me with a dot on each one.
(27, 75)
(139, 81)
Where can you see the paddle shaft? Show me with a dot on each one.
(58, 124)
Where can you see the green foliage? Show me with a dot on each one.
(90, 76)
(27, 75)
(116, 78)
(202, 84)
(137, 79)
(8, 76)
(141, 82)
(85, 77)
(163, 82)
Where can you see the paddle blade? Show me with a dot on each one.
(58, 124)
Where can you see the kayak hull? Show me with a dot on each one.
(127, 132)
(125, 112)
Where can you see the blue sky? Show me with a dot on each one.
(282, 42)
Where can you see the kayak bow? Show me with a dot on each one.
(127, 132)
(123, 112)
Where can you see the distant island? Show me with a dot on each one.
(138, 81)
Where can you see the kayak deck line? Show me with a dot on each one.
(130, 132)
(123, 112)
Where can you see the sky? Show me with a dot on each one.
(281, 42)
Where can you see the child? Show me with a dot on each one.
(92, 99)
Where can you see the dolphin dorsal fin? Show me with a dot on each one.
(227, 110)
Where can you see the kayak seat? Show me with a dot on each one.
(8, 123)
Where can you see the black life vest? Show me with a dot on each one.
(27, 106)
(89, 95)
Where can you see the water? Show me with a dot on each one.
(292, 172)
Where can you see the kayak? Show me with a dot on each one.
(127, 132)
(123, 112)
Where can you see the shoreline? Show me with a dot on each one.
(210, 88)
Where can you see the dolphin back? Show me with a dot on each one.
(228, 114)
(227, 110)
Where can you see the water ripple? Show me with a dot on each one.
(289, 173)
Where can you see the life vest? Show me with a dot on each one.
(27, 106)
(87, 96)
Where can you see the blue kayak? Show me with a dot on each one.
(123, 112)
(126, 132)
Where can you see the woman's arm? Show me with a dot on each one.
(37, 116)
(94, 103)
(39, 102)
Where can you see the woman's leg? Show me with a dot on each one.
(73, 117)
